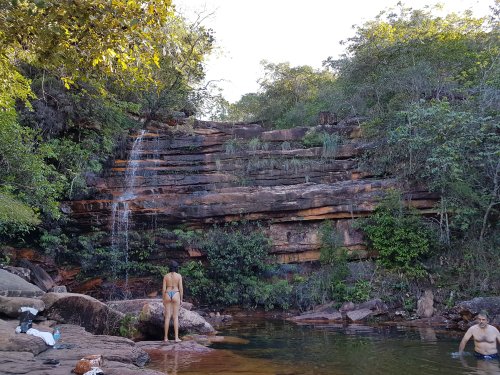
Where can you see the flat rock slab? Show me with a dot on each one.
(320, 316)
(13, 342)
(24, 354)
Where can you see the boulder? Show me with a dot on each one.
(131, 306)
(151, 321)
(11, 306)
(95, 316)
(23, 273)
(376, 306)
(135, 306)
(14, 286)
(358, 315)
(59, 289)
(469, 309)
(425, 305)
(347, 306)
(38, 275)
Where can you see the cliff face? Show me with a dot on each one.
(218, 172)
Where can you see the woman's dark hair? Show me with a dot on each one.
(173, 266)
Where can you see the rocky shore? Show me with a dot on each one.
(88, 327)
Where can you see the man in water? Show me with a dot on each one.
(485, 338)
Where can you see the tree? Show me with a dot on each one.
(398, 59)
(70, 73)
(288, 96)
(83, 40)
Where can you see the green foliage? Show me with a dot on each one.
(330, 142)
(83, 40)
(24, 175)
(197, 282)
(274, 294)
(235, 251)
(332, 245)
(128, 326)
(398, 235)
(288, 97)
(55, 244)
(236, 260)
(405, 55)
(360, 292)
(96, 257)
(471, 269)
(16, 218)
(330, 282)
(231, 146)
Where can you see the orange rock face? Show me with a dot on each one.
(221, 172)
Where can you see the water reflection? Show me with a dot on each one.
(480, 366)
(427, 334)
(280, 347)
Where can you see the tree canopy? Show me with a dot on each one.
(70, 74)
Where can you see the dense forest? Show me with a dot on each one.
(76, 77)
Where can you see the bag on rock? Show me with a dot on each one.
(25, 321)
(95, 360)
(82, 366)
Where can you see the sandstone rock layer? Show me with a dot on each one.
(220, 172)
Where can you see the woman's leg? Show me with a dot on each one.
(167, 312)
(176, 304)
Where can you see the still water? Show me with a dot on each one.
(280, 347)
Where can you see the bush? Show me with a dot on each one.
(399, 236)
(237, 262)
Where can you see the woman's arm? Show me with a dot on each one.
(164, 288)
(181, 290)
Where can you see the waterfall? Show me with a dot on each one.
(156, 163)
(121, 212)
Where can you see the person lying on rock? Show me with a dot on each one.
(485, 338)
(172, 298)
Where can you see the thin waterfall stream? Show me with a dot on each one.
(121, 210)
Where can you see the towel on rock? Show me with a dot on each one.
(46, 336)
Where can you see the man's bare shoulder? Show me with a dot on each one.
(493, 329)
(474, 329)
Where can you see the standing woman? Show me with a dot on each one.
(172, 298)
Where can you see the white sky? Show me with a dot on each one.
(302, 32)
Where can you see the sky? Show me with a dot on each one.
(299, 32)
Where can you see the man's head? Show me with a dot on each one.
(482, 319)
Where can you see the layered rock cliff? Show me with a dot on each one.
(208, 172)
